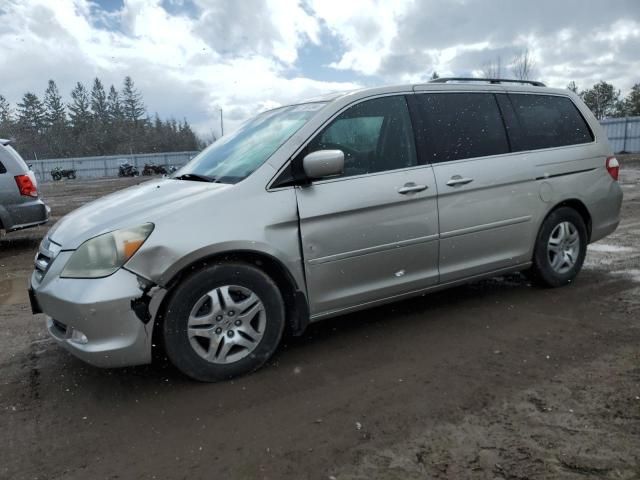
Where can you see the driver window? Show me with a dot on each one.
(374, 135)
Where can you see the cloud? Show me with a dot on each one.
(186, 65)
(192, 57)
(455, 37)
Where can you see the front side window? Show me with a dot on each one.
(375, 136)
(548, 121)
(460, 125)
(236, 156)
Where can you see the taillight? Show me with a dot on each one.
(613, 167)
(26, 185)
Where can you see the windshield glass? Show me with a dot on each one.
(236, 156)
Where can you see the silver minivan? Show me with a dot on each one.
(324, 207)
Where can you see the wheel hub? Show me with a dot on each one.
(563, 247)
(226, 324)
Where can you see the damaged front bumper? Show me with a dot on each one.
(106, 322)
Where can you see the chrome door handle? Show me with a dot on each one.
(411, 188)
(458, 180)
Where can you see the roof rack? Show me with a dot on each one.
(535, 83)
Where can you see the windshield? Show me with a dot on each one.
(236, 156)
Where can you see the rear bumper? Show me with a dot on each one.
(93, 318)
(605, 212)
(27, 214)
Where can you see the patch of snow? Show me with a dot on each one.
(604, 247)
(632, 273)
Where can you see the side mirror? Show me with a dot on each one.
(323, 163)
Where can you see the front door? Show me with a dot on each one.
(371, 233)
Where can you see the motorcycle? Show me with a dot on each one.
(127, 170)
(57, 173)
(153, 169)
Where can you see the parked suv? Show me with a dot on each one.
(20, 206)
(316, 209)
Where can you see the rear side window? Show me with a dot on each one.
(547, 121)
(454, 126)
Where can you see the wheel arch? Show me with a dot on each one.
(294, 297)
(577, 205)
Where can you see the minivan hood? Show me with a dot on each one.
(130, 207)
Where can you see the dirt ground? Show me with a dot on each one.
(493, 380)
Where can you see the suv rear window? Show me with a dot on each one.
(460, 125)
(548, 121)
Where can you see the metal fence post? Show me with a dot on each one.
(624, 141)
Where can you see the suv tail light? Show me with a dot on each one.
(26, 185)
(613, 167)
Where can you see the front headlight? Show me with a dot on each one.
(102, 255)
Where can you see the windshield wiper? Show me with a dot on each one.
(196, 177)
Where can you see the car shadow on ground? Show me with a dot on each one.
(400, 314)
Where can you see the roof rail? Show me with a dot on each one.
(535, 83)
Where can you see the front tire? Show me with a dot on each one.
(223, 321)
(560, 248)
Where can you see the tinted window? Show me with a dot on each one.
(374, 135)
(548, 121)
(2, 169)
(460, 125)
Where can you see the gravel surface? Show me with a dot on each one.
(496, 379)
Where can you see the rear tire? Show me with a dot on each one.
(560, 248)
(223, 321)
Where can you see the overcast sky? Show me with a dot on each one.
(191, 57)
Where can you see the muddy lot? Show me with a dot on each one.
(494, 380)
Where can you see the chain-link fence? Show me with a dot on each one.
(107, 166)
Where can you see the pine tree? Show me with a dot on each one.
(114, 105)
(99, 105)
(93, 122)
(99, 118)
(55, 110)
(56, 134)
(31, 123)
(134, 108)
(115, 127)
(134, 111)
(80, 119)
(31, 113)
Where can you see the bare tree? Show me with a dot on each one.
(522, 65)
(493, 68)
(573, 86)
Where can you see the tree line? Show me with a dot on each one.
(94, 122)
(605, 101)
